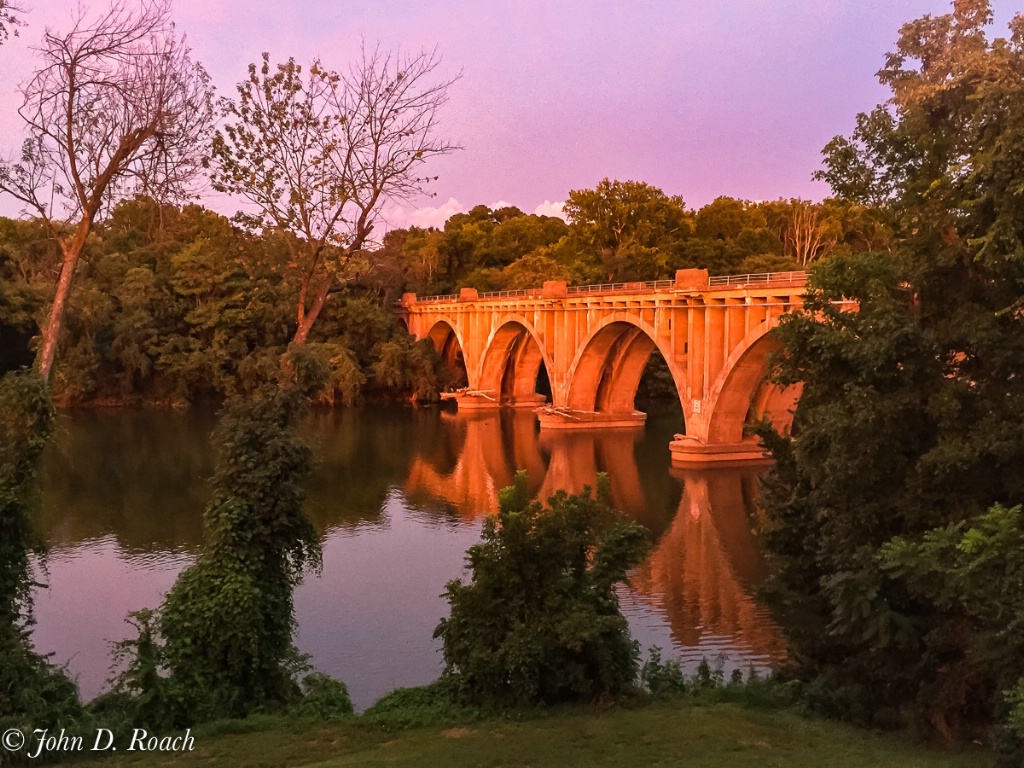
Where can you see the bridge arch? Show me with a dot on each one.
(742, 390)
(444, 334)
(511, 363)
(606, 371)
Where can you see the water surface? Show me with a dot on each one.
(399, 495)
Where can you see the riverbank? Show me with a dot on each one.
(668, 733)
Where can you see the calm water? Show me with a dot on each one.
(399, 495)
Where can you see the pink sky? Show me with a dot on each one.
(700, 98)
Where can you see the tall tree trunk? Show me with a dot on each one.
(51, 333)
(308, 316)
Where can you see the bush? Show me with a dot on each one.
(324, 697)
(427, 705)
(539, 622)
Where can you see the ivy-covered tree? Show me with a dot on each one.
(34, 694)
(227, 622)
(539, 621)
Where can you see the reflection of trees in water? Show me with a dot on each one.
(361, 453)
(139, 474)
(704, 569)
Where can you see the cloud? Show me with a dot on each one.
(549, 208)
(427, 216)
(400, 217)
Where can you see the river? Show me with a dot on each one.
(399, 494)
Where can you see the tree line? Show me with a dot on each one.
(175, 303)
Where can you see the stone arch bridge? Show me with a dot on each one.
(593, 342)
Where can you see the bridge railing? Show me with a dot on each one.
(717, 281)
(510, 294)
(650, 285)
(436, 299)
(758, 278)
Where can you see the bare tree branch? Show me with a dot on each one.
(9, 20)
(319, 153)
(117, 108)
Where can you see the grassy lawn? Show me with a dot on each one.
(664, 734)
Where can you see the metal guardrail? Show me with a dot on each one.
(650, 285)
(509, 294)
(717, 281)
(758, 278)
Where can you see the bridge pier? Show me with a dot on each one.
(478, 401)
(691, 452)
(564, 418)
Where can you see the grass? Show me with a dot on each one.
(660, 734)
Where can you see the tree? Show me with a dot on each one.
(910, 422)
(808, 231)
(227, 622)
(33, 690)
(9, 21)
(630, 226)
(318, 154)
(117, 108)
(540, 622)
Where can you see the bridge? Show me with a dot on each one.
(592, 343)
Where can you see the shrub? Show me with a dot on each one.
(539, 621)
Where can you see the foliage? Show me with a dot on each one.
(972, 573)
(631, 226)
(910, 421)
(227, 622)
(34, 693)
(539, 621)
(434, 704)
(324, 698)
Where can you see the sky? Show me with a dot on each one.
(700, 98)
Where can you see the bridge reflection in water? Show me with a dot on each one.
(705, 565)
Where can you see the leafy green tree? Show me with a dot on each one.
(539, 621)
(972, 571)
(724, 218)
(911, 415)
(630, 226)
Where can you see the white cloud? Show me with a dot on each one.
(427, 216)
(401, 217)
(549, 208)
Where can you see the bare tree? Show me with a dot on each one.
(318, 154)
(808, 230)
(9, 21)
(118, 108)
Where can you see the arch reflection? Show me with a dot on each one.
(705, 565)
(703, 572)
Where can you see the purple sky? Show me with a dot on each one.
(700, 98)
